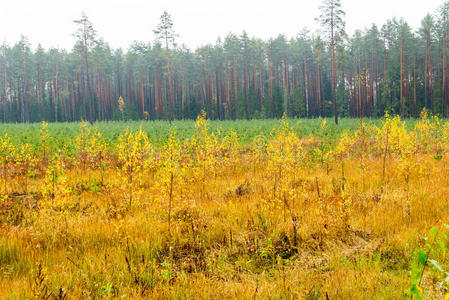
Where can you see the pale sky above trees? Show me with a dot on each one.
(197, 22)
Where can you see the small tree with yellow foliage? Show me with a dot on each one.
(44, 139)
(342, 151)
(172, 172)
(82, 144)
(362, 148)
(388, 139)
(7, 156)
(204, 146)
(284, 160)
(91, 149)
(54, 188)
(324, 149)
(133, 151)
(26, 161)
(99, 149)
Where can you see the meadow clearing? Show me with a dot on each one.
(282, 209)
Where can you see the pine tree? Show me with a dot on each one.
(85, 36)
(332, 19)
(165, 31)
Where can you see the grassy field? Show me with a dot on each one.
(159, 131)
(282, 209)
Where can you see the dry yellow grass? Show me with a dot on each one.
(283, 218)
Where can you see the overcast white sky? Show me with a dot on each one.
(198, 22)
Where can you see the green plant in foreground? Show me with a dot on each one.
(435, 246)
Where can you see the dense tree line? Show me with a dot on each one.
(391, 68)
